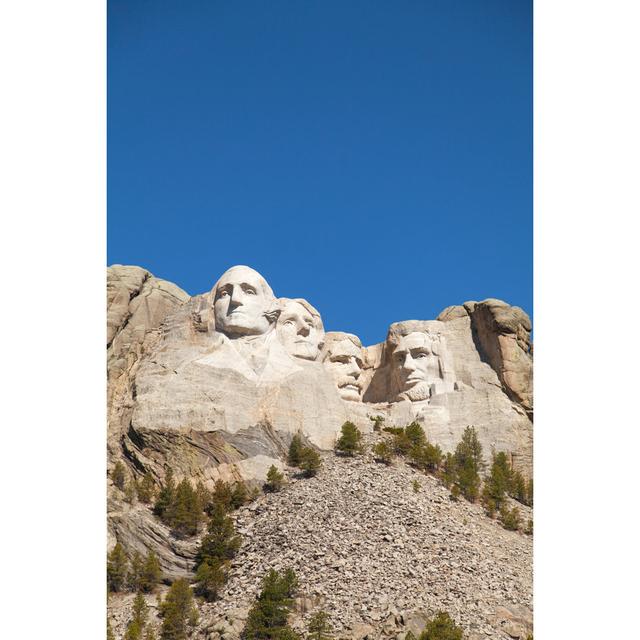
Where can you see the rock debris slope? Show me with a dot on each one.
(376, 554)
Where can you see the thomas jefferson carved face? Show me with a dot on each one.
(343, 360)
(243, 303)
(300, 329)
(415, 366)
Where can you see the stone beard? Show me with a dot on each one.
(243, 303)
(343, 359)
(415, 366)
(300, 329)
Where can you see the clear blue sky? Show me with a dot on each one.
(372, 157)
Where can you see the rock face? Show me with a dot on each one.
(215, 385)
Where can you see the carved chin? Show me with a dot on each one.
(417, 393)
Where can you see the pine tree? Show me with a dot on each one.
(137, 624)
(204, 496)
(468, 461)
(267, 618)
(310, 462)
(118, 475)
(151, 573)
(295, 451)
(221, 495)
(210, 578)
(178, 611)
(402, 443)
(349, 440)
(415, 433)
(165, 497)
(382, 452)
(220, 542)
(185, 513)
(427, 457)
(448, 471)
(117, 566)
(441, 627)
(510, 518)
(239, 495)
(135, 571)
(498, 483)
(319, 626)
(146, 488)
(275, 479)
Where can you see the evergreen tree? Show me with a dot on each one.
(210, 578)
(275, 479)
(415, 433)
(295, 451)
(382, 452)
(204, 496)
(427, 457)
(165, 497)
(136, 626)
(131, 491)
(185, 512)
(117, 566)
(310, 462)
(416, 486)
(402, 443)
(221, 495)
(178, 612)
(220, 542)
(319, 626)
(468, 462)
(135, 571)
(146, 489)
(378, 421)
(118, 475)
(448, 472)
(349, 440)
(498, 483)
(267, 618)
(239, 495)
(441, 627)
(510, 518)
(151, 573)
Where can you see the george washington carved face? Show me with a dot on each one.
(243, 303)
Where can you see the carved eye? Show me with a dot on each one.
(289, 323)
(420, 355)
(223, 293)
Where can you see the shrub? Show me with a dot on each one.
(529, 528)
(135, 571)
(402, 444)
(383, 452)
(178, 611)
(378, 421)
(448, 471)
(521, 489)
(220, 542)
(510, 518)
(319, 626)
(416, 486)
(210, 578)
(146, 488)
(267, 619)
(239, 495)
(275, 479)
(118, 475)
(349, 440)
(117, 569)
(295, 451)
(441, 627)
(310, 462)
(396, 431)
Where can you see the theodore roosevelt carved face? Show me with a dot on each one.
(243, 303)
(415, 366)
(342, 357)
(300, 329)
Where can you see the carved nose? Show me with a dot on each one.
(353, 370)
(409, 364)
(304, 330)
(236, 298)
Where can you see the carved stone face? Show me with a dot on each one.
(344, 363)
(415, 367)
(299, 331)
(241, 300)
